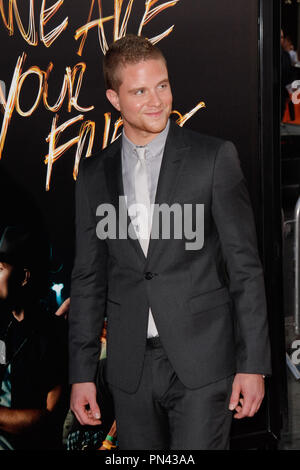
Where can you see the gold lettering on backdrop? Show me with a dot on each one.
(68, 85)
(45, 16)
(8, 22)
(182, 119)
(9, 105)
(72, 73)
(46, 13)
(87, 128)
(120, 32)
(118, 123)
(36, 71)
(72, 84)
(65, 87)
(107, 121)
(31, 35)
(83, 31)
(120, 29)
(57, 152)
(150, 14)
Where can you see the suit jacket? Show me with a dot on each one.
(208, 304)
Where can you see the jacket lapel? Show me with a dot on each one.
(172, 164)
(113, 173)
(114, 180)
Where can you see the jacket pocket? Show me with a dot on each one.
(209, 300)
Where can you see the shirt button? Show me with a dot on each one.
(148, 276)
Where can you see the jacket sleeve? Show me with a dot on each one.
(88, 288)
(234, 220)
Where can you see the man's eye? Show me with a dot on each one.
(139, 92)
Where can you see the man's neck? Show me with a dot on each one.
(141, 139)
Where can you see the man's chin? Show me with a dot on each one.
(156, 127)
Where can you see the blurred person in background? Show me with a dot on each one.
(32, 356)
(286, 77)
(289, 47)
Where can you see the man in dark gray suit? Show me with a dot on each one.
(187, 339)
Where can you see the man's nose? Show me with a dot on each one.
(154, 98)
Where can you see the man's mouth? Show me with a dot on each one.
(154, 114)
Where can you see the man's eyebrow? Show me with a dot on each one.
(164, 80)
(132, 90)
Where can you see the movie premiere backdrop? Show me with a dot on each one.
(54, 109)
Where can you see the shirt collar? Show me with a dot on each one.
(154, 147)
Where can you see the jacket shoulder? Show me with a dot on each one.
(97, 159)
(195, 138)
(213, 148)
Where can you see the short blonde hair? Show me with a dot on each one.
(130, 49)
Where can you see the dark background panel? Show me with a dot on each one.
(290, 21)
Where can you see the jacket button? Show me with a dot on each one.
(148, 276)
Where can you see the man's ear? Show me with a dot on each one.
(26, 277)
(113, 98)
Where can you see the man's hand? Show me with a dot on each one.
(63, 309)
(84, 404)
(248, 391)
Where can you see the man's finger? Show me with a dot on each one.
(258, 402)
(252, 410)
(63, 309)
(95, 410)
(257, 406)
(235, 397)
(84, 419)
(249, 404)
(255, 403)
